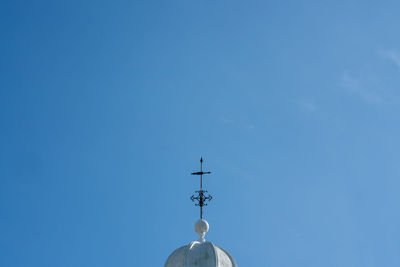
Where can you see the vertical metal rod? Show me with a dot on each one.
(201, 176)
(201, 197)
(201, 185)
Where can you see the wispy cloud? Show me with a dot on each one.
(391, 55)
(226, 120)
(243, 124)
(305, 104)
(371, 82)
(367, 89)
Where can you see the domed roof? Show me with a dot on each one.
(200, 253)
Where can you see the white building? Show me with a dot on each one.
(200, 253)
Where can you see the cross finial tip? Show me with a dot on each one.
(201, 196)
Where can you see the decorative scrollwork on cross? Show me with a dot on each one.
(201, 196)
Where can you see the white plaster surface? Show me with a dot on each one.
(200, 253)
(201, 227)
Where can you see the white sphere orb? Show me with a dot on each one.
(201, 227)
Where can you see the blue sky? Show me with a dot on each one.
(107, 106)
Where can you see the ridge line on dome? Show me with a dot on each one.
(215, 252)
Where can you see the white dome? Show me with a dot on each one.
(200, 253)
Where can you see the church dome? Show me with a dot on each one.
(200, 253)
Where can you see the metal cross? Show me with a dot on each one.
(201, 196)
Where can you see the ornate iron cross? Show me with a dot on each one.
(201, 196)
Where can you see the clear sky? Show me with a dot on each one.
(107, 106)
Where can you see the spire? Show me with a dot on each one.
(200, 253)
(201, 196)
